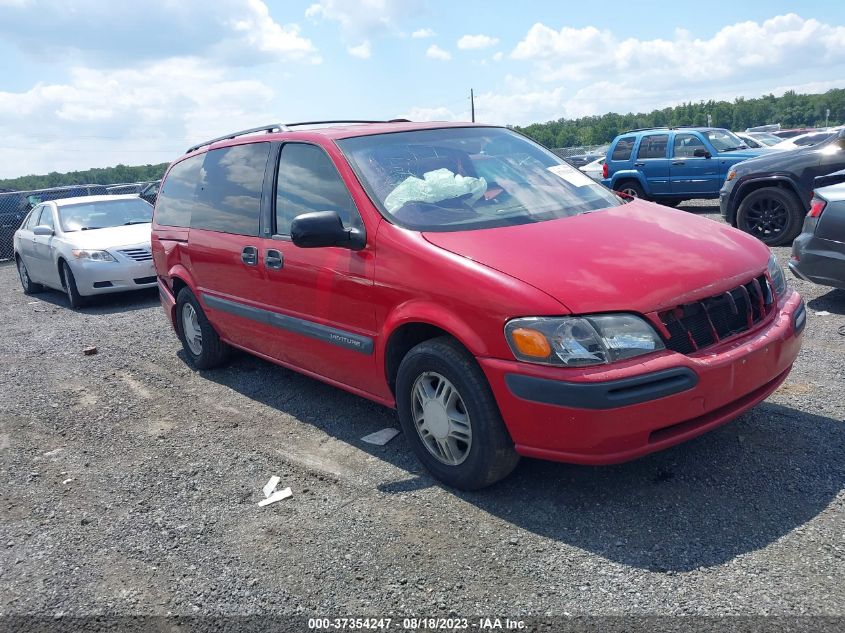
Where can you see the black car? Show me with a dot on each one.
(769, 196)
(818, 254)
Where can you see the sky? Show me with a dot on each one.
(85, 83)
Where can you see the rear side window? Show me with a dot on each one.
(308, 181)
(178, 193)
(623, 148)
(229, 197)
(653, 146)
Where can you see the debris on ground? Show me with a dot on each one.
(276, 496)
(380, 438)
(822, 313)
(89, 351)
(270, 486)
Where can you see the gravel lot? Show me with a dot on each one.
(130, 484)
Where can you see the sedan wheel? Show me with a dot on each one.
(29, 287)
(191, 329)
(441, 419)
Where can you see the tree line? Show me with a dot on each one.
(790, 110)
(97, 176)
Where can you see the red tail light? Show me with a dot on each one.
(817, 205)
(604, 171)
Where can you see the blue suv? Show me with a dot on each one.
(669, 165)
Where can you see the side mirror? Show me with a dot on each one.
(324, 228)
(42, 229)
(700, 152)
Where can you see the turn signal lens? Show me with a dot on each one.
(531, 343)
(731, 175)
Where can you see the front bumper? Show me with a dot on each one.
(818, 260)
(626, 411)
(93, 278)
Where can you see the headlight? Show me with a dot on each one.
(731, 175)
(97, 256)
(579, 341)
(777, 276)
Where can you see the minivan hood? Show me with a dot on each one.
(637, 257)
(114, 237)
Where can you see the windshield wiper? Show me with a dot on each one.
(136, 222)
(90, 228)
(730, 149)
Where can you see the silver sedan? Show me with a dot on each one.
(86, 246)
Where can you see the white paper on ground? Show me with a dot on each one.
(380, 438)
(276, 496)
(270, 486)
(572, 175)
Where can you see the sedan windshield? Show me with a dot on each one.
(457, 179)
(86, 216)
(725, 141)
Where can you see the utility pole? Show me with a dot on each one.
(826, 117)
(472, 103)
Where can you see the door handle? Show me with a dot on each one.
(679, 162)
(249, 255)
(274, 259)
(639, 164)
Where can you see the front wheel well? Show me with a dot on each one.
(402, 340)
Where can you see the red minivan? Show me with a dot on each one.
(502, 301)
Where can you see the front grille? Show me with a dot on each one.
(138, 254)
(694, 326)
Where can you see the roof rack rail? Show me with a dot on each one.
(664, 127)
(284, 127)
(272, 127)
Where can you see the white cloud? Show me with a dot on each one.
(363, 50)
(90, 32)
(435, 52)
(423, 33)
(471, 42)
(745, 49)
(498, 56)
(149, 114)
(364, 18)
(432, 114)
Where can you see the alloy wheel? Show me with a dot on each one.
(441, 418)
(191, 329)
(767, 217)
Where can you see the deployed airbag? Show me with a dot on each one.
(433, 187)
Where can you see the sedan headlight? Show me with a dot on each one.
(580, 341)
(777, 276)
(96, 256)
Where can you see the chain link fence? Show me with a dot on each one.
(15, 205)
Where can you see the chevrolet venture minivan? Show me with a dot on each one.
(503, 302)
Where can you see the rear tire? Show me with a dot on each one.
(631, 188)
(29, 286)
(450, 417)
(75, 299)
(200, 341)
(773, 215)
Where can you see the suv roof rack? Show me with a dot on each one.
(283, 127)
(665, 127)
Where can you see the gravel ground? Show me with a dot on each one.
(130, 484)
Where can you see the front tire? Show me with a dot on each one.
(450, 417)
(631, 188)
(75, 299)
(200, 341)
(29, 286)
(773, 215)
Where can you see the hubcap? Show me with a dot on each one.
(767, 218)
(630, 192)
(441, 418)
(191, 329)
